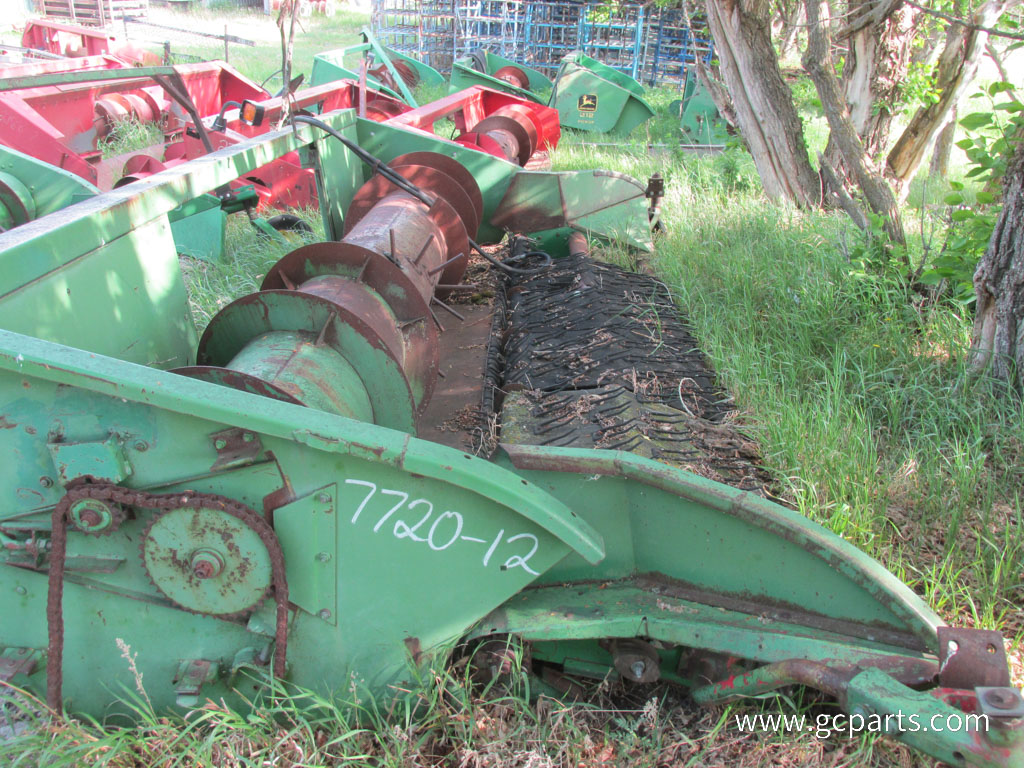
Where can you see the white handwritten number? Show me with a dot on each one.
(517, 561)
(494, 546)
(402, 529)
(385, 491)
(435, 535)
(458, 530)
(373, 490)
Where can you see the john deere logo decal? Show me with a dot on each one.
(588, 102)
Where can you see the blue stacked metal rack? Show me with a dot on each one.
(653, 45)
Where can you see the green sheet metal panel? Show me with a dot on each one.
(590, 96)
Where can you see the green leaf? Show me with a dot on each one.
(999, 86)
(962, 214)
(975, 172)
(954, 198)
(965, 143)
(1009, 106)
(957, 185)
(984, 197)
(976, 120)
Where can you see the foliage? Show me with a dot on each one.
(130, 135)
(992, 136)
(918, 88)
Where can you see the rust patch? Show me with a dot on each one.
(413, 644)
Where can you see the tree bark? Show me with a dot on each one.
(790, 27)
(955, 71)
(874, 72)
(764, 105)
(943, 147)
(819, 65)
(998, 343)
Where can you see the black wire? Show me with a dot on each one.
(379, 166)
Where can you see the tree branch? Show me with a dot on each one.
(876, 15)
(819, 65)
(965, 23)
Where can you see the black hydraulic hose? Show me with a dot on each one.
(379, 166)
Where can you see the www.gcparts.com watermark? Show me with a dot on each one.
(825, 725)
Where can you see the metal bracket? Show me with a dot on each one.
(17, 661)
(102, 460)
(235, 447)
(969, 658)
(189, 680)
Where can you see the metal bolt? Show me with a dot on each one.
(20, 590)
(141, 446)
(45, 481)
(206, 563)
(219, 444)
(324, 614)
(324, 498)
(90, 518)
(323, 557)
(638, 668)
(1001, 698)
(862, 711)
(248, 437)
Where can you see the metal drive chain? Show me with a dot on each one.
(163, 502)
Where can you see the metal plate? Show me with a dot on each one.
(969, 658)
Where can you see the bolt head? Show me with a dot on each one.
(206, 563)
(324, 498)
(220, 445)
(323, 557)
(638, 668)
(141, 446)
(20, 590)
(91, 515)
(46, 482)
(324, 614)
(1000, 698)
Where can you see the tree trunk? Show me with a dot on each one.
(874, 72)
(998, 342)
(957, 66)
(790, 28)
(763, 103)
(819, 65)
(943, 148)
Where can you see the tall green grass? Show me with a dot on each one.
(855, 386)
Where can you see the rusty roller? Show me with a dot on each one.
(514, 76)
(510, 132)
(346, 327)
(117, 107)
(409, 75)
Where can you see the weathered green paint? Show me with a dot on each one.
(603, 204)
(930, 725)
(393, 545)
(330, 65)
(591, 96)
(101, 459)
(736, 544)
(197, 227)
(84, 76)
(699, 118)
(465, 76)
(122, 271)
(47, 187)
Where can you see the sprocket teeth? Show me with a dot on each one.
(237, 615)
